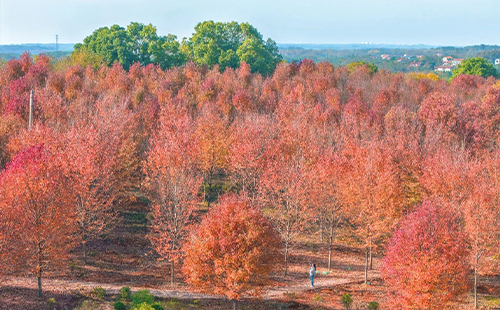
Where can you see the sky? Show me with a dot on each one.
(441, 22)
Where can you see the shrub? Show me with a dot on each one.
(173, 303)
(119, 306)
(290, 295)
(125, 294)
(89, 305)
(143, 306)
(157, 306)
(373, 305)
(98, 293)
(318, 298)
(51, 303)
(142, 296)
(346, 300)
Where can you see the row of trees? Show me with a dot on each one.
(222, 44)
(315, 148)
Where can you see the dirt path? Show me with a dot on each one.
(319, 283)
(56, 285)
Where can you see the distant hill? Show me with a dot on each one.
(35, 48)
(353, 46)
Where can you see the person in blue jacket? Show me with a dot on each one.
(312, 273)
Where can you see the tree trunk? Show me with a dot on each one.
(321, 228)
(84, 246)
(330, 246)
(210, 175)
(39, 269)
(366, 267)
(172, 275)
(286, 258)
(371, 258)
(235, 304)
(40, 292)
(475, 287)
(329, 258)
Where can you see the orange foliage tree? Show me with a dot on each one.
(89, 164)
(426, 264)
(214, 147)
(36, 213)
(173, 182)
(371, 189)
(232, 251)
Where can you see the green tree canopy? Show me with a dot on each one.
(228, 44)
(356, 64)
(475, 66)
(136, 43)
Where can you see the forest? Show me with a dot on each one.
(424, 58)
(237, 170)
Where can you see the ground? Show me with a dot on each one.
(123, 258)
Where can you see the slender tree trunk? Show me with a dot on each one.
(370, 249)
(235, 304)
(286, 257)
(40, 292)
(84, 246)
(39, 270)
(371, 259)
(209, 188)
(475, 287)
(172, 275)
(322, 228)
(330, 246)
(366, 267)
(204, 194)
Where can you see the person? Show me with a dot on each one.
(312, 273)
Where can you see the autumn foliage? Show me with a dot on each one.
(173, 182)
(233, 251)
(322, 151)
(426, 264)
(37, 218)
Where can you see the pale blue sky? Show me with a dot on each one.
(435, 22)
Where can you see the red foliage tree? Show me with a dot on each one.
(89, 162)
(372, 191)
(233, 250)
(173, 182)
(214, 147)
(481, 216)
(426, 264)
(250, 139)
(36, 213)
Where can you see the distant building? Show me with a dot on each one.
(456, 61)
(497, 61)
(416, 64)
(447, 58)
(444, 68)
(385, 56)
(449, 63)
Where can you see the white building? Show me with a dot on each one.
(444, 68)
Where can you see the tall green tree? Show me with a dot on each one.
(228, 44)
(137, 43)
(112, 44)
(475, 66)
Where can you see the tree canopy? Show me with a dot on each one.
(475, 66)
(228, 44)
(137, 43)
(223, 44)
